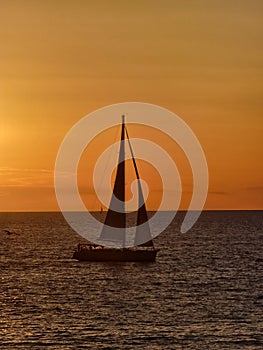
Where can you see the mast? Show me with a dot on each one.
(117, 218)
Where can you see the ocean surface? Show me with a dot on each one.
(205, 290)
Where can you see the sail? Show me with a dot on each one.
(143, 233)
(117, 218)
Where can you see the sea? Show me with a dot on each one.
(205, 290)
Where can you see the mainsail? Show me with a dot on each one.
(116, 216)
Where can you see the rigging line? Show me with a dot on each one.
(132, 154)
(135, 167)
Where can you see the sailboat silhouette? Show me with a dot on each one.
(143, 249)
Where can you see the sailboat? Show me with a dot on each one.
(143, 249)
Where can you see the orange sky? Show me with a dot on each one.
(61, 60)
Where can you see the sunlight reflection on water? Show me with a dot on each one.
(204, 291)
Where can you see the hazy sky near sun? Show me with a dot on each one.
(61, 60)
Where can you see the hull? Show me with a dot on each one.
(108, 254)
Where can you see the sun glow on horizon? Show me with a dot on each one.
(201, 60)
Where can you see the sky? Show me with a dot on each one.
(61, 60)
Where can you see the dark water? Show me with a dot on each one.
(204, 292)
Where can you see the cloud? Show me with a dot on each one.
(17, 177)
(9, 170)
(254, 188)
(220, 193)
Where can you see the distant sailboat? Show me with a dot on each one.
(116, 217)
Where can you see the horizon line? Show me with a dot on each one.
(105, 211)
